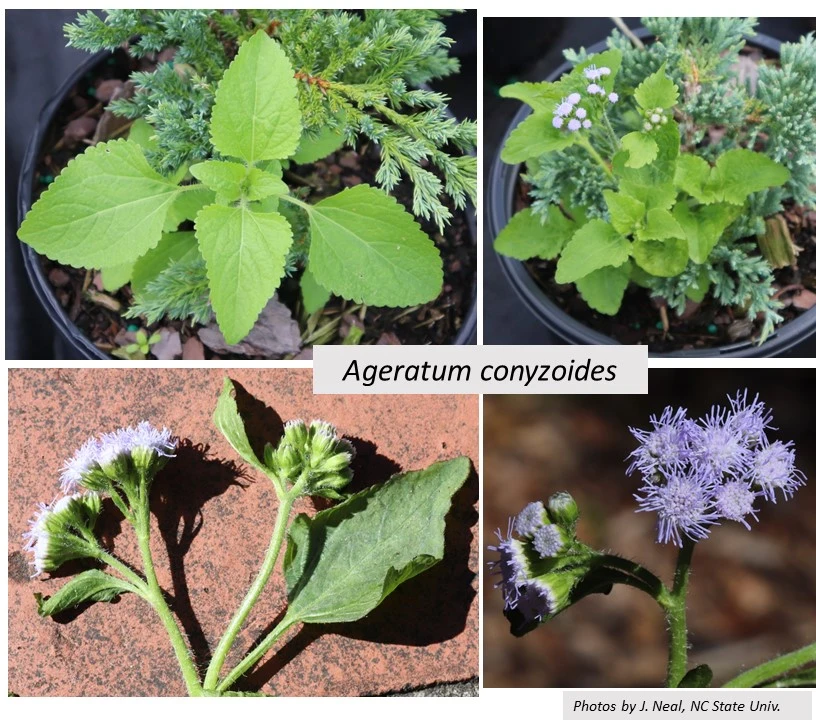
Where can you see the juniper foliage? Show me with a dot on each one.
(359, 74)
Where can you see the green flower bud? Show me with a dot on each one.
(296, 434)
(56, 533)
(563, 510)
(330, 485)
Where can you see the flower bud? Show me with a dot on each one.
(56, 532)
(295, 433)
(150, 447)
(563, 510)
(286, 462)
(530, 519)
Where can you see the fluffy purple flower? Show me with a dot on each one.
(80, 464)
(144, 435)
(564, 108)
(718, 447)
(594, 89)
(536, 601)
(580, 113)
(548, 541)
(587, 124)
(574, 125)
(596, 73)
(734, 500)
(530, 519)
(574, 98)
(557, 121)
(511, 567)
(667, 445)
(772, 469)
(683, 505)
(750, 421)
(613, 97)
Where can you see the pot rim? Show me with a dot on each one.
(500, 191)
(80, 342)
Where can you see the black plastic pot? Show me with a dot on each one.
(71, 343)
(500, 192)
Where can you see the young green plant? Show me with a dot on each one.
(110, 209)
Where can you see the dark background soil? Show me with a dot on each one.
(37, 62)
(752, 594)
(529, 49)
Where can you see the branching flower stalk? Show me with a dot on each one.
(374, 531)
(696, 474)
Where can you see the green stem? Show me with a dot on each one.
(643, 579)
(675, 606)
(774, 668)
(125, 572)
(596, 156)
(255, 655)
(278, 533)
(156, 596)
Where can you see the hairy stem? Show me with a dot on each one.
(256, 654)
(583, 142)
(156, 596)
(287, 499)
(675, 607)
(129, 575)
(774, 668)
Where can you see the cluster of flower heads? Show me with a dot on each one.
(699, 472)
(568, 111)
(654, 118)
(315, 452)
(59, 530)
(535, 538)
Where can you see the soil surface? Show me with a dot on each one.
(212, 518)
(703, 325)
(97, 313)
(752, 593)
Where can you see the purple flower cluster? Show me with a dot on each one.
(99, 452)
(699, 472)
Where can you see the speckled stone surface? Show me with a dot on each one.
(211, 524)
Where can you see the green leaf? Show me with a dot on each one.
(657, 91)
(525, 236)
(261, 184)
(593, 246)
(740, 172)
(143, 134)
(343, 562)
(698, 290)
(603, 289)
(704, 226)
(625, 212)
(245, 252)
(641, 147)
(225, 178)
(315, 296)
(256, 115)
(227, 419)
(106, 208)
(539, 96)
(664, 258)
(116, 276)
(186, 206)
(89, 586)
(534, 136)
(173, 247)
(698, 677)
(327, 141)
(367, 248)
(692, 176)
(660, 225)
